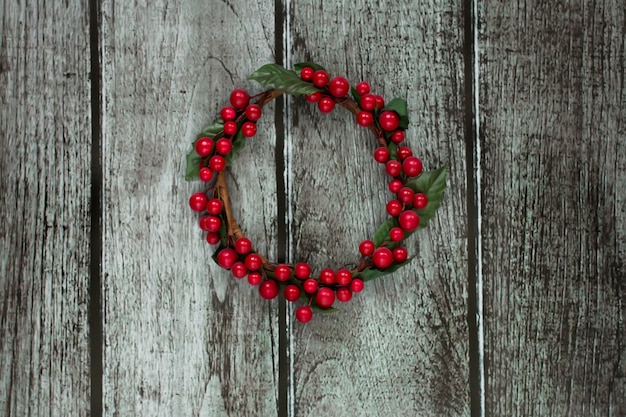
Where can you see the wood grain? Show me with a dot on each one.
(45, 135)
(553, 137)
(182, 337)
(401, 347)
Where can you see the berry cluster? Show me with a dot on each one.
(236, 252)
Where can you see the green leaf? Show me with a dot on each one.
(369, 274)
(399, 106)
(393, 150)
(324, 310)
(433, 184)
(223, 234)
(213, 129)
(193, 165)
(382, 234)
(239, 142)
(298, 67)
(276, 77)
(355, 95)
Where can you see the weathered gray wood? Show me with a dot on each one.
(182, 337)
(554, 172)
(45, 135)
(400, 348)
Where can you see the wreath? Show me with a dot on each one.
(416, 195)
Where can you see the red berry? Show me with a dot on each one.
(282, 272)
(203, 223)
(306, 74)
(253, 262)
(326, 104)
(380, 102)
(248, 129)
(243, 246)
(400, 254)
(204, 147)
(327, 276)
(198, 201)
(395, 186)
(268, 289)
(367, 102)
(381, 155)
(364, 118)
(254, 278)
(343, 277)
(396, 234)
(409, 220)
(291, 293)
(357, 285)
(239, 98)
(412, 167)
(302, 270)
(397, 136)
(313, 98)
(217, 163)
(213, 224)
(366, 248)
(213, 238)
(394, 208)
(344, 294)
(230, 128)
(253, 112)
(404, 152)
(320, 78)
(325, 297)
(226, 258)
(214, 206)
(389, 120)
(393, 168)
(309, 286)
(239, 270)
(406, 195)
(205, 174)
(382, 258)
(228, 113)
(304, 314)
(362, 88)
(223, 146)
(339, 87)
(420, 201)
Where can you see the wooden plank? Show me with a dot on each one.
(401, 347)
(552, 103)
(182, 337)
(45, 134)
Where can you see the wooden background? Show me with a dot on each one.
(110, 305)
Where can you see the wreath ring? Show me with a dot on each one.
(416, 194)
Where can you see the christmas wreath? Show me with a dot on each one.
(416, 195)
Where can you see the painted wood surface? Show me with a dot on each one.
(553, 145)
(181, 336)
(400, 347)
(45, 135)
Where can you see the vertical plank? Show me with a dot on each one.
(181, 336)
(400, 347)
(554, 149)
(45, 134)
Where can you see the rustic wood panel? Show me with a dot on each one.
(45, 135)
(182, 337)
(401, 347)
(552, 103)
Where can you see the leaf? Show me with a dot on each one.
(193, 165)
(324, 310)
(223, 234)
(393, 150)
(213, 129)
(276, 77)
(433, 184)
(298, 67)
(239, 142)
(355, 95)
(382, 234)
(399, 106)
(369, 274)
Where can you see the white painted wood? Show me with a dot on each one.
(182, 337)
(45, 134)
